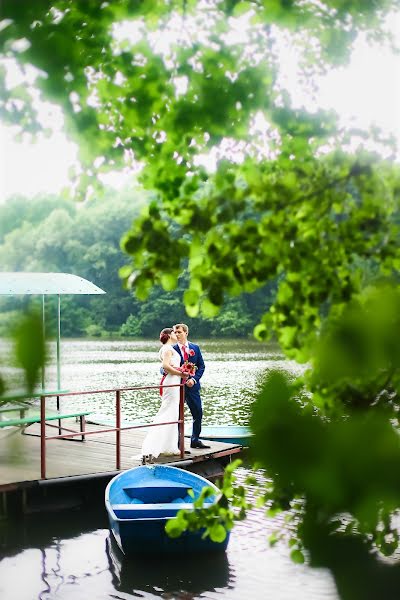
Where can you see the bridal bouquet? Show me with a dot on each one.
(188, 369)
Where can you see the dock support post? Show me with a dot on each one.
(181, 420)
(118, 429)
(43, 437)
(4, 505)
(24, 502)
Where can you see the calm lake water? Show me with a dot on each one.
(71, 556)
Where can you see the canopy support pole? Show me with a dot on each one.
(58, 356)
(58, 341)
(44, 337)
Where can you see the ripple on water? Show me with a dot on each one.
(234, 370)
(262, 572)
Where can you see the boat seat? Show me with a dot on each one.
(186, 500)
(146, 511)
(158, 492)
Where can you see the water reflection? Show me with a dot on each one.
(51, 556)
(34, 532)
(179, 577)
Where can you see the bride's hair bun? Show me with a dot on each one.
(165, 334)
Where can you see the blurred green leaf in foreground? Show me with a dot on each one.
(330, 444)
(29, 351)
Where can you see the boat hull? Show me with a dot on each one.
(139, 503)
(148, 536)
(229, 434)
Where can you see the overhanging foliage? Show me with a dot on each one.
(302, 201)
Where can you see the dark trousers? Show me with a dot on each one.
(193, 401)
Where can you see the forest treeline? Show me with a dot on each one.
(54, 234)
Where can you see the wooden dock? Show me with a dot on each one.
(78, 464)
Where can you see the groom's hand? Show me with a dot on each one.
(190, 382)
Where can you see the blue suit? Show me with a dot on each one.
(192, 395)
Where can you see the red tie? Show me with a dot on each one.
(185, 354)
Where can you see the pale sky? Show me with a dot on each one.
(364, 93)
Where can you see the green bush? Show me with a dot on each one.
(94, 330)
(131, 327)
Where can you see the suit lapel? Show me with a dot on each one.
(178, 349)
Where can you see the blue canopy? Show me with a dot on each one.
(45, 283)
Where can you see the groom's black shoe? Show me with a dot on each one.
(198, 444)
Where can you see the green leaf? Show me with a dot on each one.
(176, 526)
(241, 8)
(297, 556)
(217, 532)
(30, 351)
(209, 309)
(273, 539)
(287, 336)
(191, 297)
(169, 281)
(261, 332)
(192, 311)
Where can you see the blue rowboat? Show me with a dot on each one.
(141, 500)
(229, 434)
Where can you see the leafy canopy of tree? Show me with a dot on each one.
(297, 189)
(302, 206)
(303, 210)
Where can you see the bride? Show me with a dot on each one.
(164, 439)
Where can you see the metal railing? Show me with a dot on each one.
(84, 433)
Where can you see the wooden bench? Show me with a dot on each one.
(27, 415)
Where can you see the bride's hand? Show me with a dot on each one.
(178, 371)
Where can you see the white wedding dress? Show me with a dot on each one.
(164, 439)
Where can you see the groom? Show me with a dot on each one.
(191, 352)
